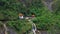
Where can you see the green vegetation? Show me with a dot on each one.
(10, 9)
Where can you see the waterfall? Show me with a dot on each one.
(5, 27)
(34, 29)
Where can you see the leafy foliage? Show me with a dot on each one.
(9, 10)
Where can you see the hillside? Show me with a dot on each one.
(47, 15)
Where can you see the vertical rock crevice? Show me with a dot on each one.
(49, 3)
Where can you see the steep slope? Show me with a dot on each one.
(49, 3)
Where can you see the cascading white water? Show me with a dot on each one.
(5, 27)
(33, 27)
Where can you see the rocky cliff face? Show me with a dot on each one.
(48, 4)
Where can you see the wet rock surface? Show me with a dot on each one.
(10, 31)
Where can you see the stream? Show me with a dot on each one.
(34, 29)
